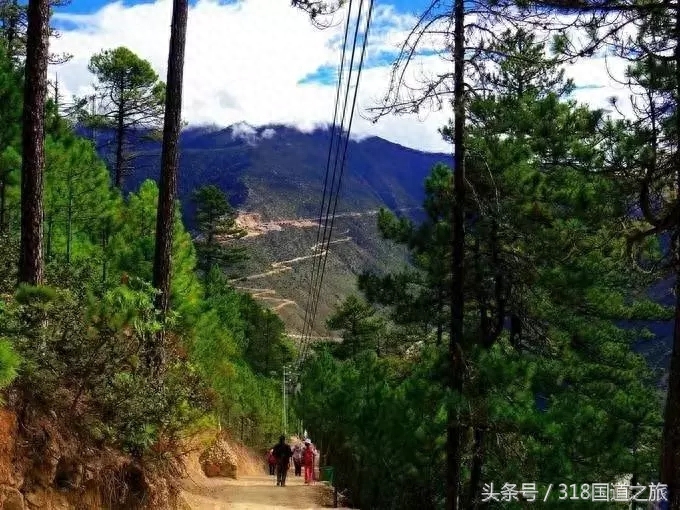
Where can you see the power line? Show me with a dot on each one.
(344, 156)
(307, 325)
(325, 184)
(319, 276)
(342, 166)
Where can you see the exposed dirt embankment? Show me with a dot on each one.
(43, 466)
(253, 224)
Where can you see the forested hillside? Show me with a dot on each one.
(487, 350)
(97, 378)
(277, 173)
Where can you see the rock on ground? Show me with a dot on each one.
(219, 460)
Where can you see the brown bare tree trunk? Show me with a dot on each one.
(476, 469)
(169, 160)
(120, 133)
(455, 381)
(33, 162)
(3, 207)
(670, 451)
(670, 456)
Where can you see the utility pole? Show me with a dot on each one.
(285, 407)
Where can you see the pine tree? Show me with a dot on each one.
(14, 27)
(546, 274)
(77, 194)
(216, 224)
(451, 25)
(10, 132)
(131, 99)
(654, 51)
(360, 327)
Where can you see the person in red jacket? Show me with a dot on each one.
(308, 460)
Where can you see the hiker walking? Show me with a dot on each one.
(283, 453)
(271, 460)
(297, 459)
(308, 455)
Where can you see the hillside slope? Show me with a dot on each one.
(280, 268)
(274, 176)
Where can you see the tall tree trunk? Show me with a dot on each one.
(170, 158)
(120, 132)
(476, 469)
(33, 162)
(455, 380)
(670, 456)
(3, 202)
(69, 223)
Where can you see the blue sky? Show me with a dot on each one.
(90, 6)
(254, 61)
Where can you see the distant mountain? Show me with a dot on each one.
(278, 171)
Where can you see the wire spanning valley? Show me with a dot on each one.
(331, 194)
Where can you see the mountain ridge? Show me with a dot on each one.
(278, 171)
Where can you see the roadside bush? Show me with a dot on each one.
(84, 361)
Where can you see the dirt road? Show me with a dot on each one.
(251, 493)
(283, 265)
(270, 295)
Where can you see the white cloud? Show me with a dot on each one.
(244, 61)
(268, 133)
(244, 131)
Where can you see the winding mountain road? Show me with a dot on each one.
(270, 295)
(284, 265)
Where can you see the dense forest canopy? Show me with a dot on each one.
(489, 367)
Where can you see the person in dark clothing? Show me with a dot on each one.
(297, 459)
(283, 453)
